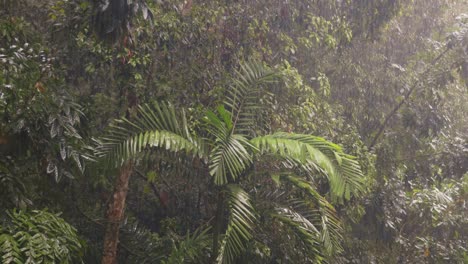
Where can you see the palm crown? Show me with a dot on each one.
(265, 184)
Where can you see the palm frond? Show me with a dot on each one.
(244, 93)
(240, 226)
(316, 154)
(230, 155)
(305, 231)
(191, 249)
(145, 245)
(322, 214)
(157, 125)
(305, 205)
(348, 179)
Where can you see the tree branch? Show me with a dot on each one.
(405, 99)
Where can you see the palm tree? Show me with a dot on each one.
(265, 185)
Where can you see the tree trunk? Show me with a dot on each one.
(115, 214)
(217, 225)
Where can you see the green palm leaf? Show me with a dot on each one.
(191, 249)
(305, 212)
(316, 154)
(240, 226)
(245, 91)
(231, 153)
(157, 125)
(302, 228)
(323, 215)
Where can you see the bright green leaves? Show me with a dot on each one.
(11, 253)
(157, 125)
(231, 153)
(229, 156)
(316, 155)
(244, 93)
(38, 237)
(219, 126)
(226, 117)
(135, 144)
(288, 146)
(240, 225)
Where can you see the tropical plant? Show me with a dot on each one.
(385, 79)
(38, 237)
(226, 151)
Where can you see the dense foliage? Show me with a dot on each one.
(201, 131)
(38, 237)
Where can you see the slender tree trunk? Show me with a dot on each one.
(217, 225)
(115, 214)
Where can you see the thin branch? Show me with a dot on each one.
(405, 99)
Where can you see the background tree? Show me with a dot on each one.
(345, 66)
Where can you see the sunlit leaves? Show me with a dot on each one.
(316, 155)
